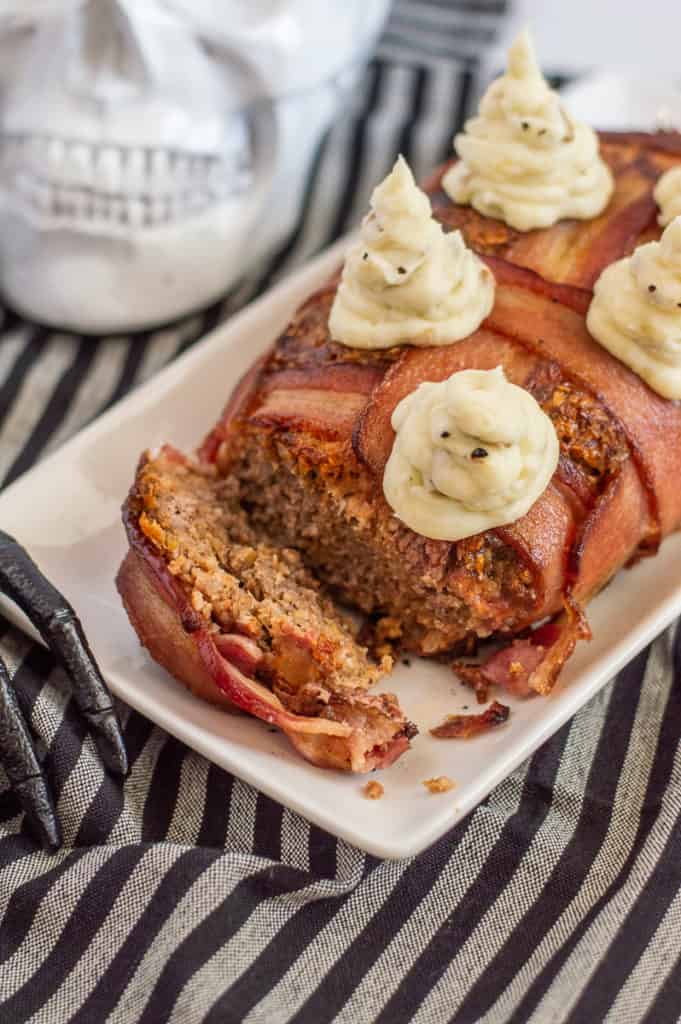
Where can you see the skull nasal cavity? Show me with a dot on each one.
(109, 58)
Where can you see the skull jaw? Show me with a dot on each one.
(92, 283)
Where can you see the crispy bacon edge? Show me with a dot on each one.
(662, 141)
(532, 664)
(464, 727)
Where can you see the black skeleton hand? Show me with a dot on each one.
(57, 623)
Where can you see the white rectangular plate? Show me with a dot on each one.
(66, 512)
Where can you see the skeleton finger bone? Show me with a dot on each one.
(57, 623)
(23, 768)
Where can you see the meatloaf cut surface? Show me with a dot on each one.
(252, 626)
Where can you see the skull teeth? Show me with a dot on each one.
(82, 204)
(113, 184)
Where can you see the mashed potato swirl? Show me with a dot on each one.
(470, 453)
(406, 281)
(523, 159)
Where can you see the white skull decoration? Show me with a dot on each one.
(142, 139)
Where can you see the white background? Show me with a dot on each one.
(637, 35)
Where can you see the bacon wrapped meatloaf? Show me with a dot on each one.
(291, 477)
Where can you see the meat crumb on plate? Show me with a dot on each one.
(441, 784)
(373, 790)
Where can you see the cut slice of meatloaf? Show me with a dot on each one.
(244, 624)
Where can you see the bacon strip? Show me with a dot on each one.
(543, 540)
(575, 252)
(333, 378)
(572, 626)
(464, 727)
(531, 664)
(610, 535)
(578, 299)
(648, 420)
(484, 350)
(663, 142)
(240, 651)
(324, 401)
(510, 668)
(572, 253)
(310, 411)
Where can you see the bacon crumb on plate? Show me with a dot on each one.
(462, 727)
(373, 790)
(441, 784)
(531, 664)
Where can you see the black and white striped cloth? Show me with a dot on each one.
(187, 896)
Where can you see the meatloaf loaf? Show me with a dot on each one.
(304, 440)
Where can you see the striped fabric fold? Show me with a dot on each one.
(184, 895)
